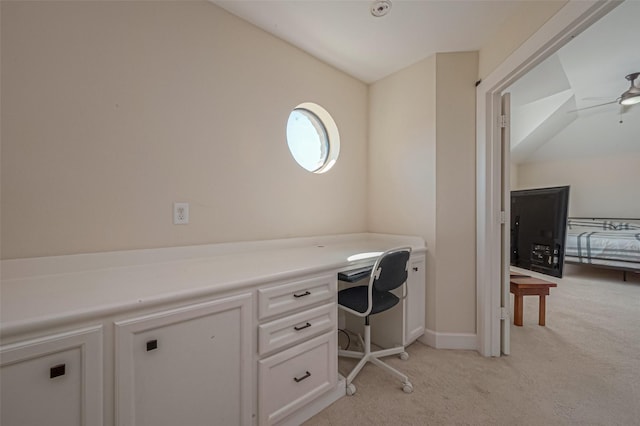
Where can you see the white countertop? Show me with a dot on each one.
(46, 291)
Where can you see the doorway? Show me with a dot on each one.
(572, 19)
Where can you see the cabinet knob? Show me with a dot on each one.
(152, 344)
(302, 327)
(57, 371)
(415, 268)
(305, 376)
(297, 295)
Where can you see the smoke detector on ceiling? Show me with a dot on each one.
(380, 8)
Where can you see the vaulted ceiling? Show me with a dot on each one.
(556, 108)
(587, 71)
(344, 33)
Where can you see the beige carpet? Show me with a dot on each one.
(583, 368)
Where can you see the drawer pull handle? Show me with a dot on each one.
(57, 371)
(415, 268)
(152, 344)
(306, 293)
(299, 379)
(302, 327)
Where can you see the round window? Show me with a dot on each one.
(312, 137)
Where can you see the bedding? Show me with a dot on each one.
(610, 243)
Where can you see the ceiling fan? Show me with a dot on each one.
(630, 97)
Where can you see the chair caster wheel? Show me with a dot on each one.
(404, 356)
(407, 387)
(351, 389)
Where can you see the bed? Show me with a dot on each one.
(604, 242)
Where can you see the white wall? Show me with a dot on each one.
(402, 160)
(455, 193)
(600, 187)
(422, 174)
(507, 38)
(112, 111)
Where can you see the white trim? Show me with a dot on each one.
(466, 341)
(573, 18)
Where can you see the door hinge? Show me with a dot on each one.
(503, 121)
(504, 313)
(503, 217)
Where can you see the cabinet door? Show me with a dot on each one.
(294, 377)
(415, 304)
(186, 366)
(56, 380)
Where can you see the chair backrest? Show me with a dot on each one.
(391, 269)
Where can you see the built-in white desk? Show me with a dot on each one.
(211, 334)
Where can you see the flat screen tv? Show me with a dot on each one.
(539, 228)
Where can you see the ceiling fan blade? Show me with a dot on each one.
(594, 106)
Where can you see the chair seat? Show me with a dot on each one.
(356, 298)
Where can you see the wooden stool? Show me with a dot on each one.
(529, 286)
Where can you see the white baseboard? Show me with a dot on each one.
(438, 340)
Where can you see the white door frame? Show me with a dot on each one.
(573, 18)
(505, 228)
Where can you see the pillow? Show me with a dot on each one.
(591, 223)
(627, 225)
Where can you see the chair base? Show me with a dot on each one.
(373, 357)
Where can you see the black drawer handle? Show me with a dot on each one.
(152, 345)
(299, 379)
(302, 327)
(415, 268)
(57, 371)
(306, 293)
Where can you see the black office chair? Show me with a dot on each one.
(389, 272)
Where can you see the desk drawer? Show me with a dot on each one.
(290, 379)
(296, 328)
(292, 296)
